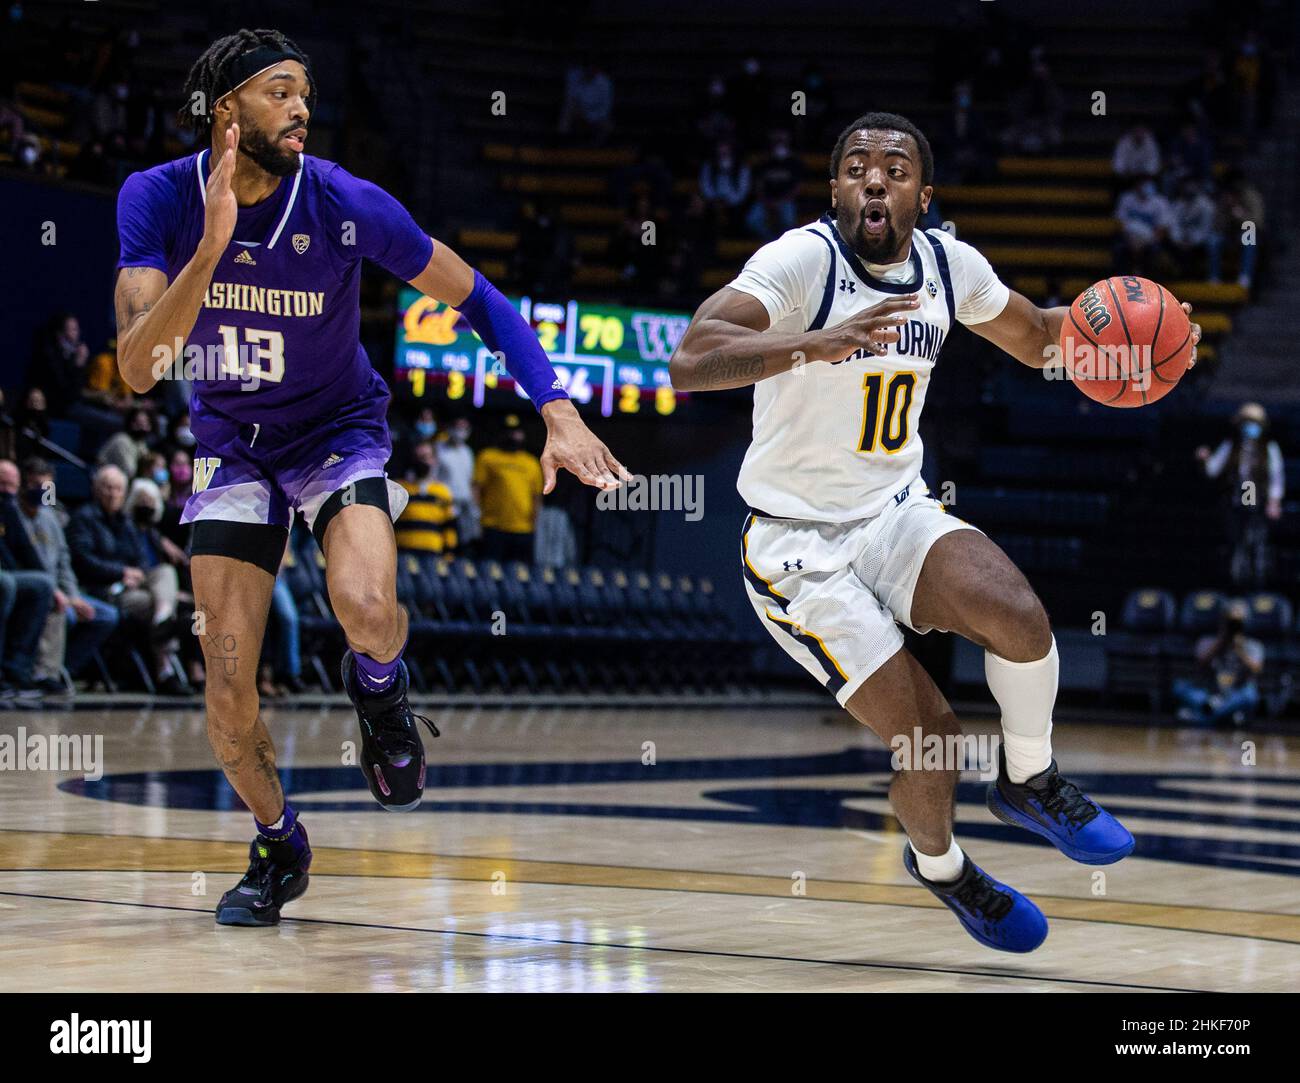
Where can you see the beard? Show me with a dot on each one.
(268, 156)
(876, 248)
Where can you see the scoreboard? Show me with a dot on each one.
(608, 357)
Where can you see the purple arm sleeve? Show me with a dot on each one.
(505, 332)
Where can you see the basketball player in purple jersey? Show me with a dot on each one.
(243, 262)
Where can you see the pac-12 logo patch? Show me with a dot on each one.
(300, 242)
(932, 288)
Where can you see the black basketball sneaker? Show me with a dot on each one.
(267, 885)
(392, 754)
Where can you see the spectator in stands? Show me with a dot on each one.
(180, 475)
(1037, 107)
(716, 124)
(1207, 97)
(104, 384)
(33, 424)
(26, 595)
(61, 365)
(1144, 218)
(109, 556)
(1191, 227)
(724, 184)
(1232, 663)
(1190, 156)
(776, 190)
(1240, 227)
(77, 625)
(456, 459)
(429, 522)
(1250, 466)
(588, 110)
(508, 491)
(546, 255)
(1136, 156)
(128, 448)
(964, 140)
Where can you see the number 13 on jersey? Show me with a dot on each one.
(886, 428)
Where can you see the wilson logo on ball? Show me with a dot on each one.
(1094, 310)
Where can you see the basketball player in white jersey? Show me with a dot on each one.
(838, 325)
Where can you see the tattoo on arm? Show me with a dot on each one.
(716, 368)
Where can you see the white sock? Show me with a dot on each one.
(1026, 692)
(942, 869)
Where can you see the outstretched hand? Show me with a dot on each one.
(571, 446)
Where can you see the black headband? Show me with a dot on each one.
(243, 67)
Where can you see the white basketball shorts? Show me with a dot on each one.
(833, 594)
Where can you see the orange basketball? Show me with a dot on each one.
(1126, 341)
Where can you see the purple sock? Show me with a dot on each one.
(284, 833)
(375, 676)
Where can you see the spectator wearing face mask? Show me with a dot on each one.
(180, 479)
(126, 449)
(1252, 470)
(1144, 217)
(508, 490)
(456, 458)
(1231, 663)
(130, 565)
(776, 190)
(428, 524)
(77, 624)
(724, 184)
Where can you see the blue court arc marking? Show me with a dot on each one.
(1242, 807)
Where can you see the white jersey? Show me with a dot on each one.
(835, 442)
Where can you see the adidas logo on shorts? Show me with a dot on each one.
(333, 460)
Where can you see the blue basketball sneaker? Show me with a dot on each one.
(1050, 805)
(997, 916)
(392, 754)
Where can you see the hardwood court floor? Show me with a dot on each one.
(549, 856)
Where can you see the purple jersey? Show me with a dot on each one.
(278, 337)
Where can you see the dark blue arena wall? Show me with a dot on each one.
(75, 273)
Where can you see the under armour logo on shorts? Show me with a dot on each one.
(793, 565)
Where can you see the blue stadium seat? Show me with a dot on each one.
(1268, 616)
(1201, 612)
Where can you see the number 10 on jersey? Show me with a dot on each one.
(886, 428)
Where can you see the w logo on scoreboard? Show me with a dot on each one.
(657, 334)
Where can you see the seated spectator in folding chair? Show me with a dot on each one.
(428, 524)
(110, 558)
(1233, 662)
(77, 626)
(26, 596)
